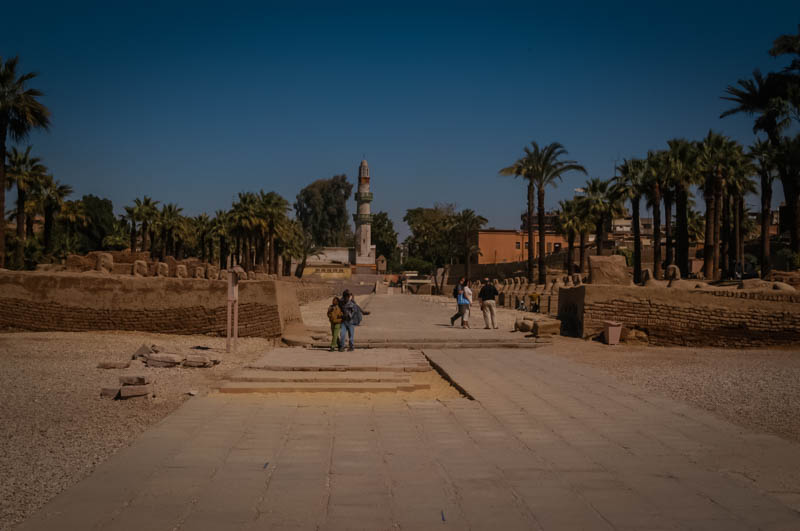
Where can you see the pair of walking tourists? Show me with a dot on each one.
(487, 296)
(344, 314)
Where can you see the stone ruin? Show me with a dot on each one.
(140, 264)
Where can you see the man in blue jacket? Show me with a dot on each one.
(461, 300)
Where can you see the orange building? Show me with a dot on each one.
(501, 246)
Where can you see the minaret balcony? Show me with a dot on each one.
(365, 197)
(362, 219)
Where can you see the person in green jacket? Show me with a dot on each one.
(335, 317)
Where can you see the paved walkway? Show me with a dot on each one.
(548, 444)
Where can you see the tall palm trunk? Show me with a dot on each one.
(637, 241)
(133, 237)
(668, 199)
(144, 235)
(20, 254)
(742, 234)
(737, 234)
(530, 230)
(657, 231)
(570, 253)
(582, 251)
(708, 244)
(3, 133)
(540, 208)
(29, 226)
(247, 264)
(718, 186)
(48, 229)
(273, 251)
(600, 233)
(682, 229)
(269, 250)
(766, 215)
(223, 252)
(726, 243)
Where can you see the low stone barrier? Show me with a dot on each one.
(691, 317)
(94, 301)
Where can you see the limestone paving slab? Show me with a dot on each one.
(299, 359)
(546, 444)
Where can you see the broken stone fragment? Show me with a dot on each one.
(142, 352)
(113, 365)
(547, 327)
(109, 392)
(197, 360)
(140, 268)
(130, 391)
(134, 379)
(163, 360)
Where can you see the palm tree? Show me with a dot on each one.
(569, 224)
(655, 182)
(540, 167)
(23, 171)
(738, 185)
(584, 225)
(629, 186)
(53, 195)
(203, 226)
(147, 213)
(681, 157)
(769, 99)
(20, 112)
(601, 204)
(244, 221)
(169, 220)
(272, 208)
(466, 225)
(221, 230)
(712, 161)
(130, 217)
(762, 154)
(73, 215)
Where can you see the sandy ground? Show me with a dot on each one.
(757, 389)
(55, 428)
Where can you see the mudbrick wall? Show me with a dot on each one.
(96, 301)
(671, 316)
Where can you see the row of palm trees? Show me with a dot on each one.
(717, 166)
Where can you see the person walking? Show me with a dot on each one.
(348, 307)
(335, 318)
(487, 296)
(461, 302)
(468, 296)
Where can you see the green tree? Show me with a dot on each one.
(272, 208)
(23, 171)
(541, 167)
(600, 204)
(630, 186)
(655, 181)
(53, 195)
(763, 156)
(681, 158)
(464, 234)
(321, 207)
(20, 112)
(100, 220)
(383, 235)
(569, 224)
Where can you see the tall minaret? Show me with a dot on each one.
(363, 218)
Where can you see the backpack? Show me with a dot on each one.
(455, 291)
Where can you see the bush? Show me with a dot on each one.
(627, 253)
(423, 267)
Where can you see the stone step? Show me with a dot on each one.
(260, 375)
(452, 344)
(417, 367)
(310, 387)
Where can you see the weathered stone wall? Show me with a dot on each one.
(670, 316)
(96, 301)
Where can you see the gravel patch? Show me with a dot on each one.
(54, 426)
(758, 389)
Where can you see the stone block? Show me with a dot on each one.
(673, 273)
(131, 391)
(197, 361)
(162, 269)
(113, 365)
(212, 272)
(140, 268)
(252, 275)
(547, 327)
(523, 325)
(198, 272)
(104, 262)
(134, 379)
(181, 272)
(609, 270)
(164, 360)
(109, 392)
(142, 352)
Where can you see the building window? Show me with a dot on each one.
(517, 244)
(526, 245)
(549, 247)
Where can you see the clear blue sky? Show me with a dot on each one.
(194, 103)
